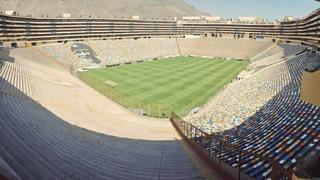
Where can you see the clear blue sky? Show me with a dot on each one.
(268, 9)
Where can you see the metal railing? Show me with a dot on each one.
(201, 142)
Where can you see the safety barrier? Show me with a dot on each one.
(201, 142)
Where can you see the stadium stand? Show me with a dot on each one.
(58, 150)
(130, 50)
(308, 167)
(113, 52)
(243, 98)
(281, 50)
(279, 130)
(265, 117)
(62, 54)
(276, 54)
(37, 143)
(6, 172)
(223, 47)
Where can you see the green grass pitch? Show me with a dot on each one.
(176, 84)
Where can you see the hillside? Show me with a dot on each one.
(102, 8)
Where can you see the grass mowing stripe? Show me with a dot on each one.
(156, 65)
(160, 80)
(184, 82)
(203, 97)
(168, 68)
(170, 90)
(199, 96)
(153, 66)
(135, 76)
(172, 86)
(166, 80)
(200, 82)
(162, 73)
(193, 93)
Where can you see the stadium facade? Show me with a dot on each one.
(27, 31)
(45, 133)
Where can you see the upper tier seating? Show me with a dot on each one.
(281, 50)
(276, 54)
(130, 50)
(113, 52)
(223, 47)
(116, 52)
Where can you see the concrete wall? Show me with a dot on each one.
(310, 91)
(223, 47)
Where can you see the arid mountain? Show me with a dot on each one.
(101, 8)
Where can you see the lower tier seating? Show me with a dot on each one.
(36, 144)
(242, 99)
(285, 129)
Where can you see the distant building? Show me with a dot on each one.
(10, 13)
(135, 17)
(288, 18)
(250, 19)
(66, 15)
(211, 18)
(191, 18)
(247, 19)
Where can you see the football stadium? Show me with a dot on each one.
(187, 96)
